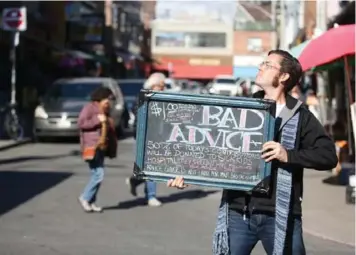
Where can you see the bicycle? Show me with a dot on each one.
(11, 122)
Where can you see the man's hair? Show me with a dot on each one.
(101, 93)
(290, 65)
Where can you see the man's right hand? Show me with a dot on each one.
(102, 117)
(178, 183)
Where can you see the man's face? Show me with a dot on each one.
(269, 72)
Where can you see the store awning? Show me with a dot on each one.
(245, 71)
(197, 72)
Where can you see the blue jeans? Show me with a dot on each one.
(244, 234)
(96, 166)
(150, 187)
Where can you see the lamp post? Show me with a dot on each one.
(321, 76)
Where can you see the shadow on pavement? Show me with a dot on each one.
(17, 187)
(29, 158)
(189, 194)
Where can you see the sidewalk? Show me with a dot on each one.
(8, 144)
(325, 212)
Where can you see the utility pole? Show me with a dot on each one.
(274, 25)
(321, 76)
(282, 25)
(108, 35)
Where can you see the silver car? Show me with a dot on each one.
(58, 113)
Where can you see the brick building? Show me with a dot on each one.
(195, 40)
(254, 36)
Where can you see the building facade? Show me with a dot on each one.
(194, 40)
(254, 37)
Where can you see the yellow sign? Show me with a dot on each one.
(204, 62)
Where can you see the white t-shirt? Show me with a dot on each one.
(279, 108)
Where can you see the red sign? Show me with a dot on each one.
(14, 19)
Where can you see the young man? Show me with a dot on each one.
(275, 218)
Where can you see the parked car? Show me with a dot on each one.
(58, 112)
(225, 85)
(130, 89)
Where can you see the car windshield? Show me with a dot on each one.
(130, 88)
(80, 91)
(226, 81)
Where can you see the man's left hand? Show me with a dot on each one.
(272, 150)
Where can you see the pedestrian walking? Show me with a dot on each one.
(300, 142)
(97, 139)
(154, 82)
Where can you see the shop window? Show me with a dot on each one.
(191, 39)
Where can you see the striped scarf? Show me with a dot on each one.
(283, 197)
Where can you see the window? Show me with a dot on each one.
(170, 39)
(254, 44)
(191, 39)
(226, 81)
(209, 40)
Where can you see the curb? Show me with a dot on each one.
(328, 237)
(15, 144)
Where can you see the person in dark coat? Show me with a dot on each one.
(300, 142)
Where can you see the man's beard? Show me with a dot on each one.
(275, 82)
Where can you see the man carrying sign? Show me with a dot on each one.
(300, 142)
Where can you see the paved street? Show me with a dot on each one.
(39, 213)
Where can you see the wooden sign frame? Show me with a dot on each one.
(147, 96)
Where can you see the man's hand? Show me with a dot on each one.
(102, 117)
(178, 183)
(272, 150)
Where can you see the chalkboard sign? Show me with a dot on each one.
(210, 140)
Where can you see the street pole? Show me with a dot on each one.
(15, 38)
(282, 25)
(321, 76)
(108, 36)
(274, 26)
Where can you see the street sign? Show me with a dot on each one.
(14, 19)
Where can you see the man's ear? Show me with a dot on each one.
(284, 77)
